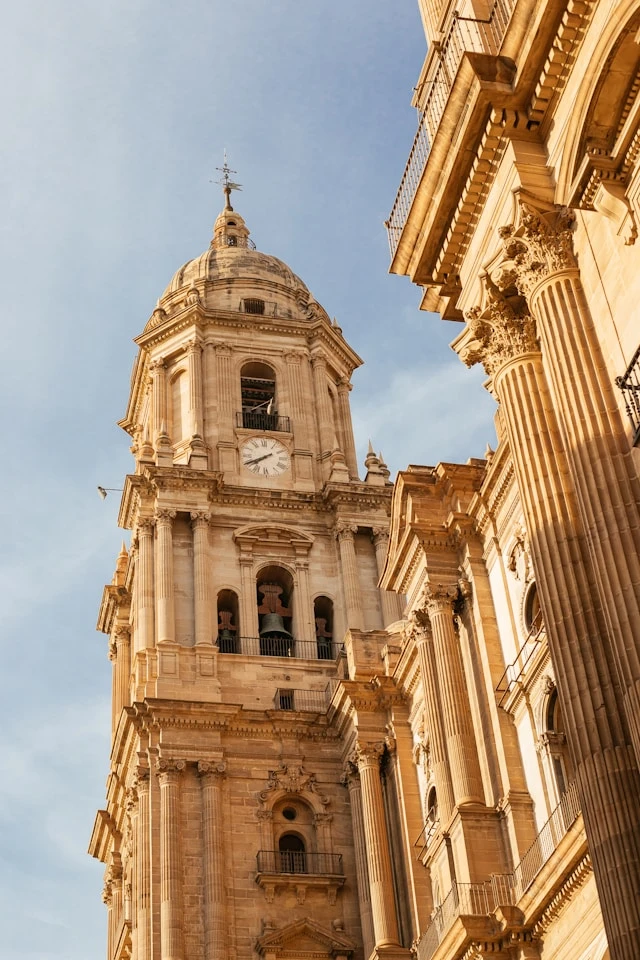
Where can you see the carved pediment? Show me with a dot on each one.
(305, 938)
(268, 536)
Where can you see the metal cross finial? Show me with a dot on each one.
(227, 183)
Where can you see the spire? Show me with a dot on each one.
(229, 230)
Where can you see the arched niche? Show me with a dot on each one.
(323, 620)
(258, 393)
(275, 603)
(228, 621)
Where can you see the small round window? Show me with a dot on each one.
(289, 813)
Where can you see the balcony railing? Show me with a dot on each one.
(428, 831)
(298, 861)
(482, 899)
(516, 670)
(259, 420)
(308, 701)
(280, 647)
(629, 383)
(465, 35)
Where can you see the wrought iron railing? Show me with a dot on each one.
(564, 815)
(482, 899)
(299, 861)
(516, 670)
(308, 701)
(629, 383)
(428, 831)
(465, 35)
(280, 647)
(260, 420)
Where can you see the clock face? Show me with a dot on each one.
(265, 456)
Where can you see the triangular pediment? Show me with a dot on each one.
(305, 937)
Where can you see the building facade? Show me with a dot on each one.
(517, 215)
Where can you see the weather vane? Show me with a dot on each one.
(226, 182)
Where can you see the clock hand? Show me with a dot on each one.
(249, 463)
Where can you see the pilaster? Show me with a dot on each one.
(164, 575)
(171, 933)
(215, 917)
(201, 586)
(345, 533)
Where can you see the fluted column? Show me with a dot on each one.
(107, 899)
(143, 869)
(248, 599)
(388, 601)
(303, 607)
(433, 714)
(599, 457)
(158, 397)
(171, 934)
(344, 389)
(454, 698)
(201, 587)
(215, 918)
(323, 403)
(383, 907)
(164, 576)
(345, 532)
(194, 362)
(226, 392)
(145, 615)
(121, 652)
(352, 779)
(210, 401)
(503, 337)
(299, 412)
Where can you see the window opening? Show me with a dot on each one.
(227, 622)
(285, 698)
(323, 614)
(258, 390)
(274, 613)
(293, 857)
(253, 305)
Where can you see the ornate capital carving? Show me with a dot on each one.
(344, 385)
(540, 245)
(368, 753)
(145, 527)
(439, 597)
(222, 348)
(200, 518)
(317, 360)
(164, 516)
(193, 346)
(294, 357)
(500, 331)
(122, 634)
(345, 530)
(380, 535)
(169, 770)
(350, 773)
(212, 768)
(157, 367)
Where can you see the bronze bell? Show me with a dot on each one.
(273, 625)
(225, 636)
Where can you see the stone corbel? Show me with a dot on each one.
(611, 201)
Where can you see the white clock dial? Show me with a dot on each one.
(265, 456)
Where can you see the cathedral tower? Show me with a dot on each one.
(255, 552)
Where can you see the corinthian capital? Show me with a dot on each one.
(164, 515)
(501, 330)
(345, 530)
(439, 597)
(200, 518)
(540, 243)
(367, 753)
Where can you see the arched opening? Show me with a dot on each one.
(293, 854)
(258, 390)
(532, 611)
(323, 618)
(432, 806)
(227, 621)
(274, 590)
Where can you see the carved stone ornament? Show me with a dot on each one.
(439, 597)
(368, 753)
(164, 515)
(167, 766)
(501, 330)
(211, 768)
(519, 561)
(540, 244)
(192, 297)
(345, 530)
(158, 316)
(291, 779)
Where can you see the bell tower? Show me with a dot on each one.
(249, 591)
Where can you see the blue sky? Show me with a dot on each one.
(115, 117)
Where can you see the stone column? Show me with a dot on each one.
(454, 697)
(345, 532)
(158, 398)
(503, 337)
(210, 401)
(352, 779)
(299, 412)
(248, 599)
(145, 617)
(164, 576)
(201, 587)
(121, 671)
(194, 362)
(599, 459)
(323, 403)
(344, 389)
(107, 899)
(383, 907)
(226, 392)
(302, 600)
(215, 918)
(143, 869)
(171, 937)
(388, 601)
(433, 715)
